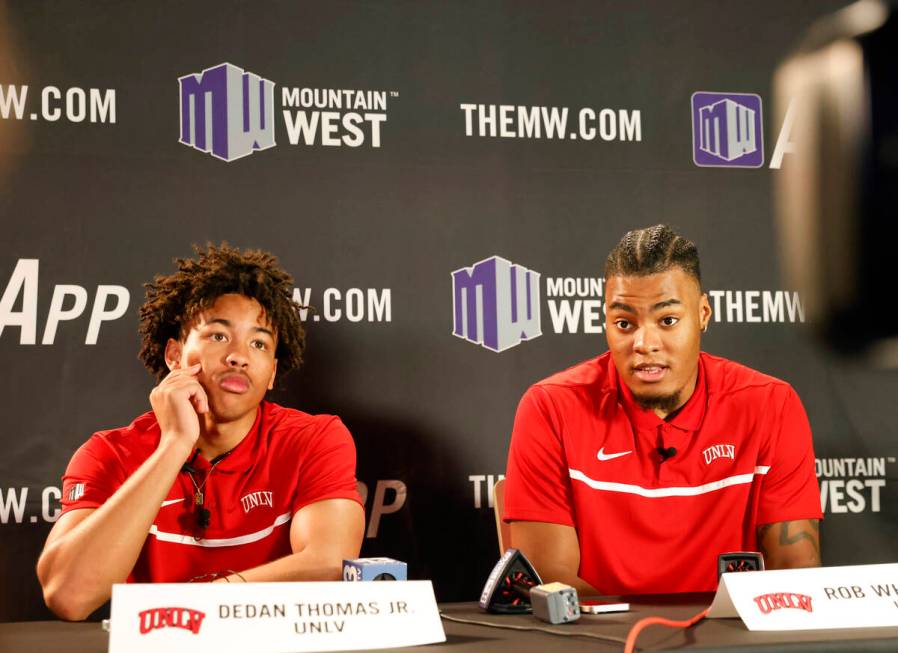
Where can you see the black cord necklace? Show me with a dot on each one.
(203, 515)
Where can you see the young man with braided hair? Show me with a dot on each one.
(629, 473)
(214, 483)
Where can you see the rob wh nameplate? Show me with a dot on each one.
(860, 596)
(272, 617)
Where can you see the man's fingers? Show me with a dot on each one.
(179, 372)
(194, 392)
(200, 400)
(178, 382)
(184, 382)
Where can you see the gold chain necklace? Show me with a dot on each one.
(198, 497)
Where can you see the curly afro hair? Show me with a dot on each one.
(174, 301)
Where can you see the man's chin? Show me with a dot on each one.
(664, 402)
(230, 411)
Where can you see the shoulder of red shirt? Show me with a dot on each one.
(723, 376)
(726, 377)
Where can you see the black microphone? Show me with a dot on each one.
(203, 517)
(667, 453)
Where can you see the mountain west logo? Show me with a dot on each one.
(184, 618)
(227, 112)
(726, 130)
(496, 304)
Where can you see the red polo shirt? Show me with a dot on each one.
(288, 460)
(584, 454)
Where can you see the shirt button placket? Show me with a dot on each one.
(664, 472)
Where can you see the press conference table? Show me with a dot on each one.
(724, 635)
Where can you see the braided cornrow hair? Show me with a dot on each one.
(651, 250)
(174, 301)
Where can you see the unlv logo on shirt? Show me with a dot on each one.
(770, 602)
(76, 492)
(185, 618)
(716, 451)
(256, 499)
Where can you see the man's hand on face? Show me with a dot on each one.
(178, 402)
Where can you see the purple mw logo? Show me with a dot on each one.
(727, 130)
(496, 304)
(227, 112)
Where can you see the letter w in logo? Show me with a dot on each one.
(227, 112)
(496, 304)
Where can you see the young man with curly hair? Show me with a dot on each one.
(214, 483)
(630, 472)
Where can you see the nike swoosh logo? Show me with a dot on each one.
(171, 501)
(610, 456)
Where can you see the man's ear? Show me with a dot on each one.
(704, 312)
(274, 373)
(173, 354)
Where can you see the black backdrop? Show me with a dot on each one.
(96, 192)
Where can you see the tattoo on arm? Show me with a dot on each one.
(762, 534)
(792, 532)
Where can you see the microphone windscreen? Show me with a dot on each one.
(556, 603)
(374, 569)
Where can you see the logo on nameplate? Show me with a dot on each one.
(183, 618)
(727, 130)
(768, 603)
(716, 451)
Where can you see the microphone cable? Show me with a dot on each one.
(630, 645)
(539, 629)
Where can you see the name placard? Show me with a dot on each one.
(809, 599)
(272, 617)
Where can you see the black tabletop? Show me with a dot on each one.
(526, 634)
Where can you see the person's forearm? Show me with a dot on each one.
(322, 535)
(790, 544)
(78, 569)
(305, 565)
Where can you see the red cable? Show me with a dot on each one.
(659, 621)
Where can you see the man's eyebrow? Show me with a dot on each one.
(227, 323)
(667, 303)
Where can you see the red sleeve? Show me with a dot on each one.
(538, 486)
(790, 490)
(327, 467)
(92, 476)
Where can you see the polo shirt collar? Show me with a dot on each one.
(241, 457)
(690, 416)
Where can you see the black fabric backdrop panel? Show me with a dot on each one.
(373, 232)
